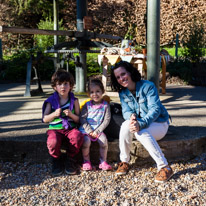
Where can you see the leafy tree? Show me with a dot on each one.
(35, 6)
(194, 42)
(45, 41)
(182, 68)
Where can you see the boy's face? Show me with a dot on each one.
(63, 88)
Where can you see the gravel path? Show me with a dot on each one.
(31, 184)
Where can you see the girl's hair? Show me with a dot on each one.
(95, 82)
(61, 76)
(134, 73)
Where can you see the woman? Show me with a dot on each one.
(144, 116)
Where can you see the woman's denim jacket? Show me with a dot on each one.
(146, 105)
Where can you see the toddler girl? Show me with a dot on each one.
(95, 117)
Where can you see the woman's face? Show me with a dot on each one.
(123, 77)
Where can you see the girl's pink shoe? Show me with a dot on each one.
(87, 166)
(105, 166)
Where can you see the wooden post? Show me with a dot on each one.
(144, 68)
(1, 53)
(104, 72)
(77, 34)
(163, 85)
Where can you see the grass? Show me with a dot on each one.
(171, 51)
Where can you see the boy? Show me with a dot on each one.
(61, 110)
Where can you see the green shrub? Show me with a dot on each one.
(93, 67)
(46, 69)
(14, 67)
(193, 73)
(23, 6)
(45, 41)
(181, 68)
(194, 42)
(199, 73)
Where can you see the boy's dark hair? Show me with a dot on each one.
(61, 76)
(96, 82)
(135, 75)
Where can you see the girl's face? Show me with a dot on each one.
(95, 93)
(63, 88)
(123, 77)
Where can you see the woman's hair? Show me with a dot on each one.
(61, 76)
(95, 82)
(134, 73)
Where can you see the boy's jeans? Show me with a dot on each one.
(147, 137)
(73, 139)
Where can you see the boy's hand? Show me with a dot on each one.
(57, 112)
(67, 112)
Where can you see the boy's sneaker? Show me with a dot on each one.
(57, 167)
(164, 174)
(70, 166)
(123, 168)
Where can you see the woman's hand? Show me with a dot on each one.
(133, 117)
(134, 125)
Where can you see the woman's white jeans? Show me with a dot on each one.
(148, 138)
